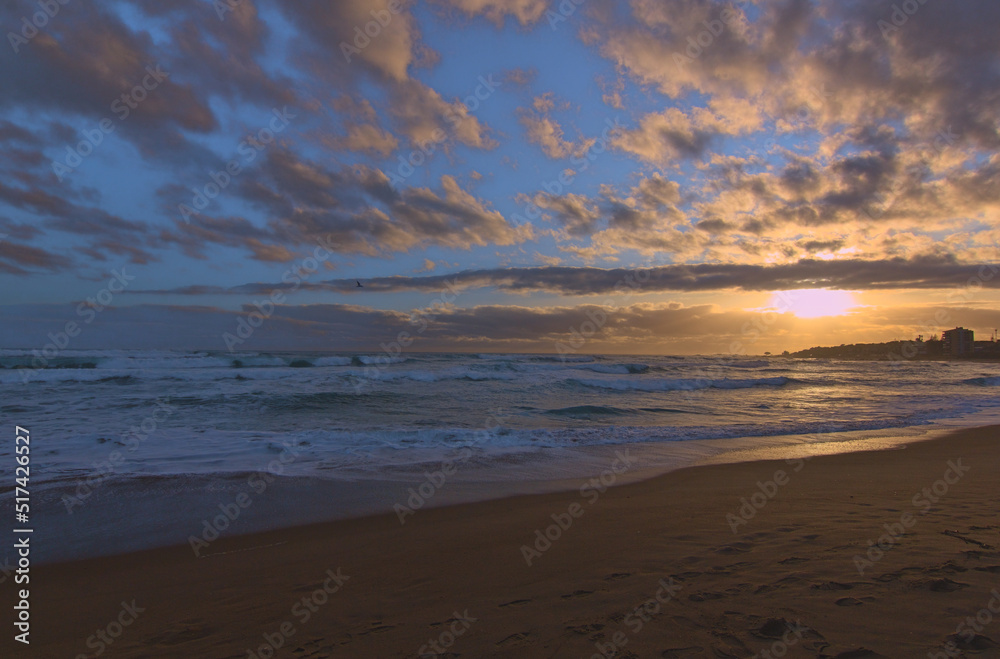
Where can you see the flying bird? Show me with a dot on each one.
(359, 284)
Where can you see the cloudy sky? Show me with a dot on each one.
(498, 173)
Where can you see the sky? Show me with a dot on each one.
(647, 177)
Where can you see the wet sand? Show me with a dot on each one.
(724, 560)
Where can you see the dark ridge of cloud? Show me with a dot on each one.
(14, 255)
(813, 246)
(11, 132)
(848, 274)
(637, 329)
(348, 327)
(11, 229)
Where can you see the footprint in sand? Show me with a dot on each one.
(376, 627)
(977, 643)
(617, 575)
(943, 585)
(681, 653)
(515, 603)
(995, 569)
(792, 560)
(735, 548)
(772, 628)
(583, 630)
(730, 651)
(705, 596)
(315, 652)
(191, 630)
(513, 639)
(729, 569)
(683, 576)
(860, 653)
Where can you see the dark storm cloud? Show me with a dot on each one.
(346, 327)
(19, 259)
(923, 273)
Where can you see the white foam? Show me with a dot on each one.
(333, 361)
(681, 384)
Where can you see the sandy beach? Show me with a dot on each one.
(871, 554)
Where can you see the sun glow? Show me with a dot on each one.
(814, 302)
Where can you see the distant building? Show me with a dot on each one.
(987, 348)
(958, 342)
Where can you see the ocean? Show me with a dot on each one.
(164, 435)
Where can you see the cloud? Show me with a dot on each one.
(520, 77)
(543, 130)
(347, 211)
(367, 138)
(20, 259)
(626, 327)
(786, 133)
(845, 274)
(350, 327)
(525, 11)
(673, 134)
(425, 117)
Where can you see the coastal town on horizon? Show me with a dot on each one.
(957, 343)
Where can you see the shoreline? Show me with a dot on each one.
(793, 559)
(274, 502)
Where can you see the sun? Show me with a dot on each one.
(814, 302)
